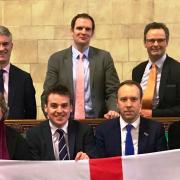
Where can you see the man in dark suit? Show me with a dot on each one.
(100, 81)
(166, 99)
(146, 135)
(43, 139)
(17, 85)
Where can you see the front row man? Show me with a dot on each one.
(59, 137)
(130, 134)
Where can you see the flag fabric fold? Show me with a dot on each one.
(153, 166)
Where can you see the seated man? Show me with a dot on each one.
(59, 137)
(174, 135)
(12, 145)
(130, 134)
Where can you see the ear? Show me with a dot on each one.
(45, 108)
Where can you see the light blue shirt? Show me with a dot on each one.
(75, 58)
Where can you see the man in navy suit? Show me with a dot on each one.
(17, 86)
(43, 139)
(100, 77)
(166, 99)
(147, 135)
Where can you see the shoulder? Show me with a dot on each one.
(11, 131)
(95, 50)
(150, 123)
(62, 53)
(18, 71)
(108, 124)
(142, 65)
(79, 125)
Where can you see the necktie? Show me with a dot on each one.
(79, 95)
(129, 148)
(150, 89)
(1, 81)
(63, 154)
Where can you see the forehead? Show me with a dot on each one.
(128, 91)
(83, 22)
(4, 38)
(57, 98)
(156, 33)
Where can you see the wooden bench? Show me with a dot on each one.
(23, 125)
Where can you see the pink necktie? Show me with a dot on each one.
(79, 102)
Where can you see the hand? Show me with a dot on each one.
(81, 156)
(146, 113)
(111, 115)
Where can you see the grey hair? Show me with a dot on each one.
(5, 31)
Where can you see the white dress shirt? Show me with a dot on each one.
(55, 138)
(134, 134)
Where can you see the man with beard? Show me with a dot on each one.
(130, 134)
(162, 92)
(15, 84)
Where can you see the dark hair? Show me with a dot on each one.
(3, 106)
(84, 16)
(5, 31)
(57, 89)
(131, 82)
(156, 25)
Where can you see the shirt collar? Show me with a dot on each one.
(159, 63)
(123, 123)
(6, 68)
(75, 52)
(54, 128)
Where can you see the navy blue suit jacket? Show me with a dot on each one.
(108, 138)
(169, 89)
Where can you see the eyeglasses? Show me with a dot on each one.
(152, 41)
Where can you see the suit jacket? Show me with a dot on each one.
(108, 138)
(169, 89)
(80, 138)
(16, 144)
(104, 80)
(21, 95)
(173, 135)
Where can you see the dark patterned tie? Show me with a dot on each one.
(129, 148)
(1, 81)
(63, 154)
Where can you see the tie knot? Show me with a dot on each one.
(81, 56)
(154, 66)
(129, 127)
(61, 132)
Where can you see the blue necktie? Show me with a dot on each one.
(129, 148)
(63, 154)
(1, 81)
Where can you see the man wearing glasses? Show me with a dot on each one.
(159, 75)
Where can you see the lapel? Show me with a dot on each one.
(68, 69)
(47, 138)
(164, 76)
(72, 132)
(11, 85)
(115, 143)
(92, 62)
(143, 136)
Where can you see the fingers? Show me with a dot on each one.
(81, 156)
(111, 115)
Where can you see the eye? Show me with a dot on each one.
(54, 105)
(133, 99)
(123, 99)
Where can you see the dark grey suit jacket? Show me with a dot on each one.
(80, 138)
(21, 95)
(104, 80)
(16, 144)
(169, 90)
(108, 138)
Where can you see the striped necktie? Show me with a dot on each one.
(129, 148)
(63, 154)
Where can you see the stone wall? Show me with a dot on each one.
(41, 27)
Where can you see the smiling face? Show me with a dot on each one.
(156, 43)
(6, 46)
(82, 33)
(129, 102)
(58, 109)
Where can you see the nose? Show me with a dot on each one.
(59, 109)
(155, 43)
(128, 103)
(1, 47)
